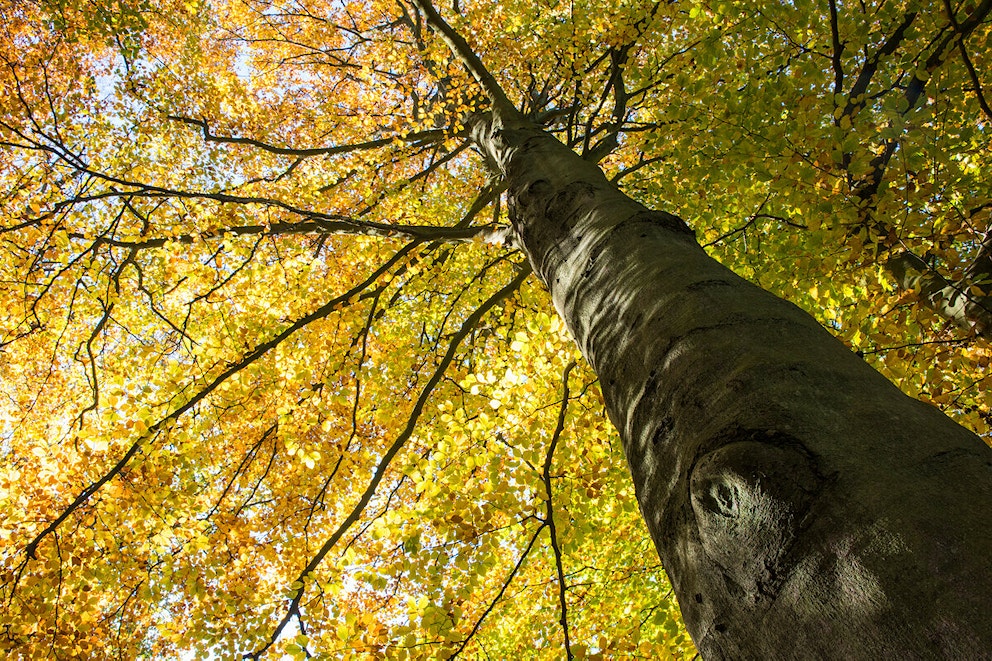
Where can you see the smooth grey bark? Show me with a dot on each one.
(802, 505)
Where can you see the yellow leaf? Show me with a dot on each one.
(97, 444)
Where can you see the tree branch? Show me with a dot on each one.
(838, 47)
(502, 106)
(549, 516)
(252, 356)
(414, 138)
(387, 458)
(499, 595)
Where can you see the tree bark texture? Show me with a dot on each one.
(803, 506)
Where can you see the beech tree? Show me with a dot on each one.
(332, 330)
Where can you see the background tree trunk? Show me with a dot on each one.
(802, 505)
(966, 304)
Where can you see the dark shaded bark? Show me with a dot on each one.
(801, 504)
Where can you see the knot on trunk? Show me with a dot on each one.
(749, 498)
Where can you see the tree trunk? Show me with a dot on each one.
(802, 505)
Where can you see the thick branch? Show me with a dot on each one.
(966, 304)
(838, 49)
(419, 233)
(468, 58)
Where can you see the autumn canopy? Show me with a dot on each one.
(276, 376)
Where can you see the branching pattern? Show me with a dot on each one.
(274, 378)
